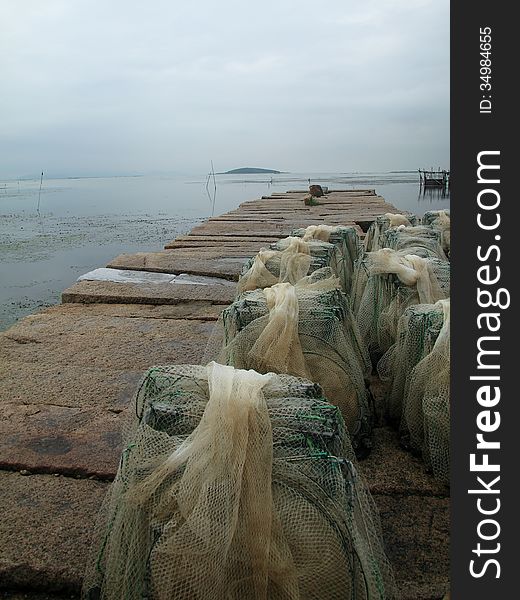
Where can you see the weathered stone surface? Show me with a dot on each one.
(204, 241)
(19, 595)
(67, 375)
(143, 293)
(46, 525)
(391, 470)
(54, 338)
(198, 310)
(416, 532)
(262, 230)
(225, 263)
(66, 385)
(43, 438)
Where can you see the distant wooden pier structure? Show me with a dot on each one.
(434, 178)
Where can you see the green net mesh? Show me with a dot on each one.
(307, 330)
(425, 421)
(421, 240)
(417, 331)
(388, 282)
(374, 236)
(345, 239)
(440, 220)
(236, 485)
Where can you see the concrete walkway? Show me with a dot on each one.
(68, 374)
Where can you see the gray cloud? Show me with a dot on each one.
(94, 86)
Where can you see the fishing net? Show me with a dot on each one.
(345, 239)
(417, 331)
(426, 404)
(232, 486)
(395, 280)
(440, 220)
(288, 262)
(374, 236)
(420, 240)
(307, 330)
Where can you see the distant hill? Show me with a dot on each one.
(245, 170)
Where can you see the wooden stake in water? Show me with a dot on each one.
(211, 175)
(39, 192)
(214, 189)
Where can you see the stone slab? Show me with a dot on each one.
(223, 263)
(241, 230)
(202, 310)
(143, 276)
(20, 595)
(46, 526)
(67, 376)
(391, 470)
(79, 441)
(252, 246)
(144, 293)
(102, 341)
(416, 531)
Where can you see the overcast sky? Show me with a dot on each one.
(125, 86)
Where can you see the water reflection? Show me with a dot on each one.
(433, 193)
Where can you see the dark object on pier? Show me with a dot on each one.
(438, 178)
(316, 191)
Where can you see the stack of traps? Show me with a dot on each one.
(387, 283)
(416, 370)
(237, 485)
(401, 300)
(304, 252)
(346, 241)
(374, 236)
(306, 330)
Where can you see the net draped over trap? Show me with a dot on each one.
(307, 330)
(288, 261)
(387, 283)
(236, 485)
(440, 221)
(417, 331)
(345, 239)
(421, 240)
(374, 237)
(425, 424)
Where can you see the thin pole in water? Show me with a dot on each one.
(39, 192)
(214, 189)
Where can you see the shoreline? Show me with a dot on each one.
(72, 370)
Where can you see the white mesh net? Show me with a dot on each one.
(236, 485)
(345, 239)
(440, 220)
(426, 404)
(374, 237)
(389, 281)
(307, 330)
(417, 331)
(421, 240)
(288, 261)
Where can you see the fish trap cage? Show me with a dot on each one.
(421, 240)
(389, 282)
(288, 261)
(440, 220)
(425, 424)
(345, 239)
(374, 236)
(417, 331)
(307, 332)
(230, 486)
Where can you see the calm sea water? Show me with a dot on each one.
(49, 237)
